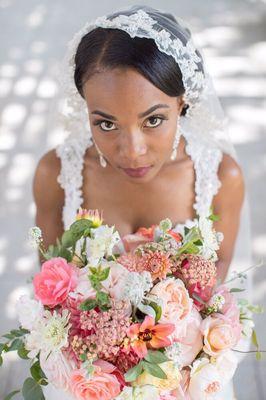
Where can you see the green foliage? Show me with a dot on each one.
(154, 370)
(32, 390)
(156, 357)
(102, 300)
(134, 372)
(149, 364)
(157, 309)
(38, 374)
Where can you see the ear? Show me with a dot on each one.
(180, 103)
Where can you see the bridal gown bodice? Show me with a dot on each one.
(206, 158)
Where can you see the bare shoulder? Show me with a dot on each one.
(45, 179)
(232, 181)
(230, 172)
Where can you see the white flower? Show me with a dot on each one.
(173, 352)
(146, 392)
(210, 239)
(205, 380)
(35, 236)
(136, 285)
(209, 377)
(49, 334)
(57, 369)
(29, 311)
(102, 243)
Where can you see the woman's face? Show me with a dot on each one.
(132, 122)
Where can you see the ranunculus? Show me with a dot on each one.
(56, 279)
(100, 386)
(170, 383)
(57, 368)
(218, 334)
(29, 311)
(176, 304)
(192, 342)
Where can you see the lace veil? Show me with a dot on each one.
(204, 116)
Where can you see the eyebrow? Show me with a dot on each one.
(141, 115)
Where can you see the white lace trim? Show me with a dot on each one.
(205, 156)
(71, 152)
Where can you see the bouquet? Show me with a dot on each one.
(142, 317)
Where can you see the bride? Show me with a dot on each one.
(147, 139)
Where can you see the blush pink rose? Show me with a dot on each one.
(218, 335)
(101, 386)
(176, 304)
(56, 279)
(192, 342)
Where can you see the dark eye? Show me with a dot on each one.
(154, 121)
(107, 125)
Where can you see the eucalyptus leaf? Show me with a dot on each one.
(68, 239)
(32, 390)
(37, 373)
(15, 345)
(23, 353)
(154, 370)
(157, 309)
(236, 290)
(134, 372)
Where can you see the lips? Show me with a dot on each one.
(137, 172)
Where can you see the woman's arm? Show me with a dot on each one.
(227, 205)
(49, 198)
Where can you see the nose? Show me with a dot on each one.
(132, 145)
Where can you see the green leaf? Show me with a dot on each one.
(32, 390)
(258, 355)
(254, 339)
(23, 353)
(186, 230)
(156, 357)
(79, 227)
(88, 304)
(9, 336)
(236, 290)
(102, 275)
(19, 332)
(1, 361)
(198, 242)
(134, 372)
(214, 217)
(154, 370)
(38, 374)
(102, 298)
(65, 253)
(67, 239)
(157, 309)
(147, 309)
(3, 347)
(12, 394)
(15, 345)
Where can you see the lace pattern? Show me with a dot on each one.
(205, 156)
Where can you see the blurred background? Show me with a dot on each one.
(34, 35)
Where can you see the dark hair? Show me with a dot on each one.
(102, 49)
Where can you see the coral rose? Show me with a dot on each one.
(218, 334)
(56, 279)
(176, 304)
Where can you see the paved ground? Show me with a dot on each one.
(33, 39)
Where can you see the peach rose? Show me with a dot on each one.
(100, 386)
(218, 334)
(56, 279)
(176, 304)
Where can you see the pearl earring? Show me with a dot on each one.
(103, 162)
(176, 140)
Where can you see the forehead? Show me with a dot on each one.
(122, 89)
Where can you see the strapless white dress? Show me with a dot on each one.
(206, 158)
